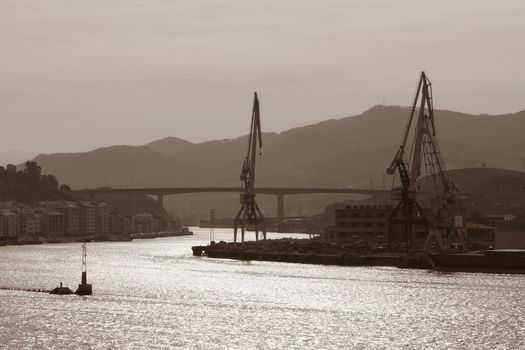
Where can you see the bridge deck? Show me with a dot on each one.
(262, 190)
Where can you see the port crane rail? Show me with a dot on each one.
(445, 218)
(250, 214)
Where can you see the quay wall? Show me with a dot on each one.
(320, 259)
(487, 262)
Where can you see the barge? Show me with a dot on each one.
(237, 252)
(490, 261)
(183, 232)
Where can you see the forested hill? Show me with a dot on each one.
(28, 186)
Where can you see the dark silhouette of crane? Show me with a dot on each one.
(250, 214)
(444, 219)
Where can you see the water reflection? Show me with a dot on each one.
(154, 294)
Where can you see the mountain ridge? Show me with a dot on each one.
(347, 152)
(379, 127)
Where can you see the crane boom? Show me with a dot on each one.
(401, 151)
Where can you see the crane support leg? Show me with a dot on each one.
(262, 220)
(236, 224)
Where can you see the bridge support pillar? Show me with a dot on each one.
(166, 218)
(280, 212)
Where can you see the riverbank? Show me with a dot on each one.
(46, 240)
(95, 238)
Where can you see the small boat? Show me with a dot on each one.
(61, 290)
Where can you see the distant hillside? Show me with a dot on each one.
(18, 187)
(129, 204)
(347, 152)
(494, 191)
(169, 146)
(15, 156)
(118, 166)
(15, 188)
(353, 150)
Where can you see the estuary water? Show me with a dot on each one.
(153, 294)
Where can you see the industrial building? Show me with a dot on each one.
(510, 234)
(361, 222)
(479, 237)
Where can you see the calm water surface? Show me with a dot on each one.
(155, 294)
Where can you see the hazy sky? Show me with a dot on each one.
(76, 75)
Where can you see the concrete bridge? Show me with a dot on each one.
(280, 192)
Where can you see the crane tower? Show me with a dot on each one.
(250, 214)
(444, 219)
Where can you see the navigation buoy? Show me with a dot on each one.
(84, 288)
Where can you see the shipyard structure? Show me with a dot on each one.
(369, 224)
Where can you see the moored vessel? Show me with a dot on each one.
(492, 261)
(61, 290)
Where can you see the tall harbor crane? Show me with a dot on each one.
(444, 220)
(250, 214)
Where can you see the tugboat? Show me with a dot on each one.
(84, 288)
(61, 290)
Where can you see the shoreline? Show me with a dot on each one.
(99, 238)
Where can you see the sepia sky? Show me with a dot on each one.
(77, 75)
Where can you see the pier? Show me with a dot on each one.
(22, 289)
